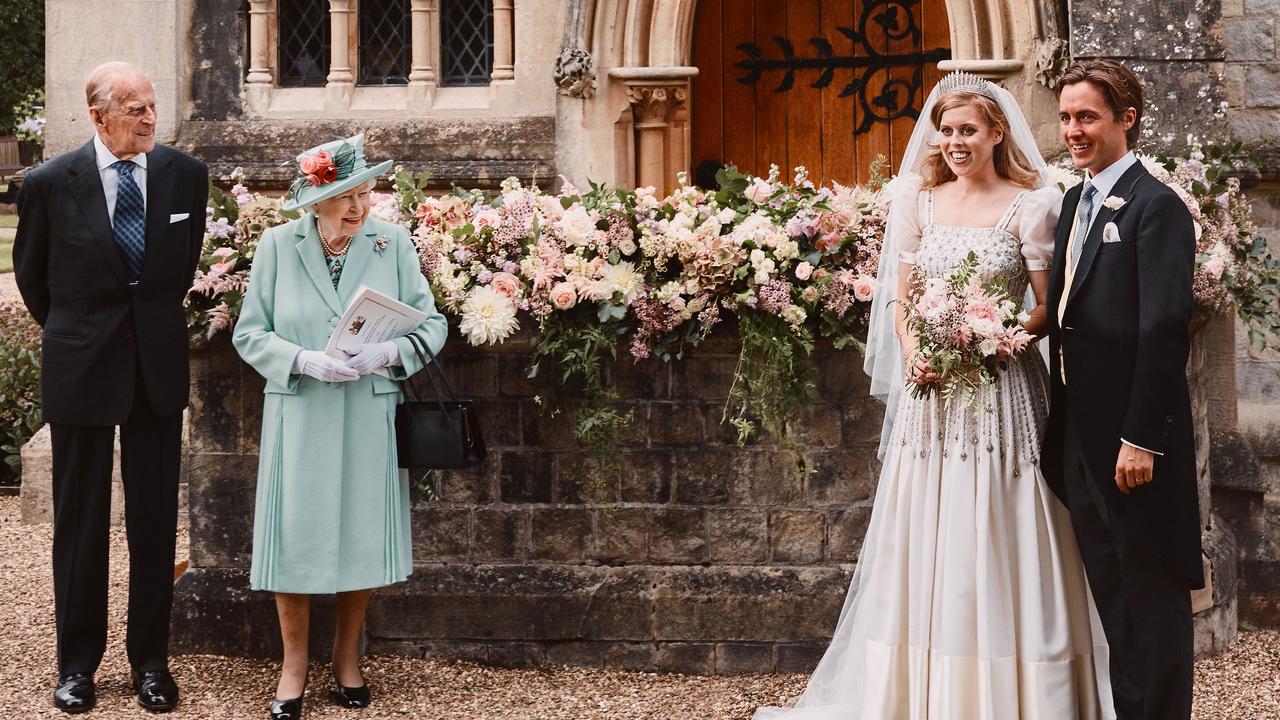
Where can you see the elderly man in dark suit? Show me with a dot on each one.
(107, 244)
(1120, 448)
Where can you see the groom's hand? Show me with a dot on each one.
(1133, 467)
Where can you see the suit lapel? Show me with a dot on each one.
(1124, 189)
(160, 181)
(86, 188)
(357, 258)
(312, 256)
(1058, 269)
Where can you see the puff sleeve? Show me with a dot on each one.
(904, 217)
(1037, 225)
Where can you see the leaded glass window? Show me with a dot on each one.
(466, 42)
(303, 52)
(385, 42)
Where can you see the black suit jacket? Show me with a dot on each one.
(101, 334)
(1124, 339)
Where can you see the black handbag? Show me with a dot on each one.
(439, 434)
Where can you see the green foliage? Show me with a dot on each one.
(22, 57)
(410, 189)
(775, 379)
(19, 386)
(577, 344)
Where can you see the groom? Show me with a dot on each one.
(1120, 450)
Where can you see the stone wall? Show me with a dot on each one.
(698, 556)
(1252, 88)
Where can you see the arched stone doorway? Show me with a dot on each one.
(636, 127)
(828, 84)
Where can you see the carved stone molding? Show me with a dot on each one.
(1052, 57)
(575, 73)
(654, 103)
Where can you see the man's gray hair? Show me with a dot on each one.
(97, 90)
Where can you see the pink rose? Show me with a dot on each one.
(563, 296)
(318, 168)
(864, 288)
(759, 191)
(506, 283)
(804, 271)
(221, 268)
(222, 252)
(1214, 268)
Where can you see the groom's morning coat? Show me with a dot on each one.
(1124, 340)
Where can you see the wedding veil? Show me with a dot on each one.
(884, 362)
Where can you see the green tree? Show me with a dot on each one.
(21, 59)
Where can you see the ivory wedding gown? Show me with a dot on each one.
(969, 601)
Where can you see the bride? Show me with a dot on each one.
(969, 601)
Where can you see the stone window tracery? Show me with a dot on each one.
(352, 57)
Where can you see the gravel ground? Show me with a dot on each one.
(9, 287)
(1244, 684)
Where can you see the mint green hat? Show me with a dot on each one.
(329, 170)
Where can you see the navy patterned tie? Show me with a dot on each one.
(1083, 211)
(130, 219)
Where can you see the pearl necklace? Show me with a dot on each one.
(324, 243)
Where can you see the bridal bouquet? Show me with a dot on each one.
(966, 328)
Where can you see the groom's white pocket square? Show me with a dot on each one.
(1110, 233)
(178, 217)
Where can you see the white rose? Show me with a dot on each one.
(627, 246)
(576, 225)
(988, 347)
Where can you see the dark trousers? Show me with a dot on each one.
(149, 460)
(1144, 605)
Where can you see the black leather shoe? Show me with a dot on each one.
(156, 690)
(351, 698)
(287, 709)
(75, 693)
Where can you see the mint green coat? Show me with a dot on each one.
(332, 510)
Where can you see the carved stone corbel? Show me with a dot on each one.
(1052, 58)
(575, 73)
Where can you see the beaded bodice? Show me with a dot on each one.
(999, 252)
(1005, 419)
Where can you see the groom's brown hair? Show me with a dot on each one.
(1119, 87)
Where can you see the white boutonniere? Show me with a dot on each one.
(380, 243)
(1113, 203)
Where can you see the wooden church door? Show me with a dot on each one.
(828, 84)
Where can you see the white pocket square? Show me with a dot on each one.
(176, 217)
(1110, 233)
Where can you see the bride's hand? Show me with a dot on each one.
(920, 372)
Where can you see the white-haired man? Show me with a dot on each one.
(107, 243)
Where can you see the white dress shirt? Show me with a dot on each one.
(1105, 181)
(111, 181)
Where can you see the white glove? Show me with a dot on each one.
(374, 356)
(320, 366)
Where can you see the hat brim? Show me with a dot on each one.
(309, 195)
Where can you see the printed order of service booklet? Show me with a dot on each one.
(371, 317)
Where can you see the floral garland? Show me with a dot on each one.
(234, 224)
(610, 270)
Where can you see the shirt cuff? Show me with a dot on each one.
(1153, 452)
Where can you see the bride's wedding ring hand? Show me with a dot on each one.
(1134, 467)
(920, 372)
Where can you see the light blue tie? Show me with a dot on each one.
(1083, 212)
(130, 219)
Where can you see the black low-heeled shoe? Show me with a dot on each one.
(351, 698)
(288, 709)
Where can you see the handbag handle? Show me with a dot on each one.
(419, 347)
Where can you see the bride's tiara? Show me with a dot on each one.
(961, 81)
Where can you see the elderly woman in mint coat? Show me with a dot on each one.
(332, 513)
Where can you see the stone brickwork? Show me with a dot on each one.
(469, 153)
(697, 556)
(1252, 89)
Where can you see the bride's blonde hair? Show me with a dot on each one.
(1010, 163)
